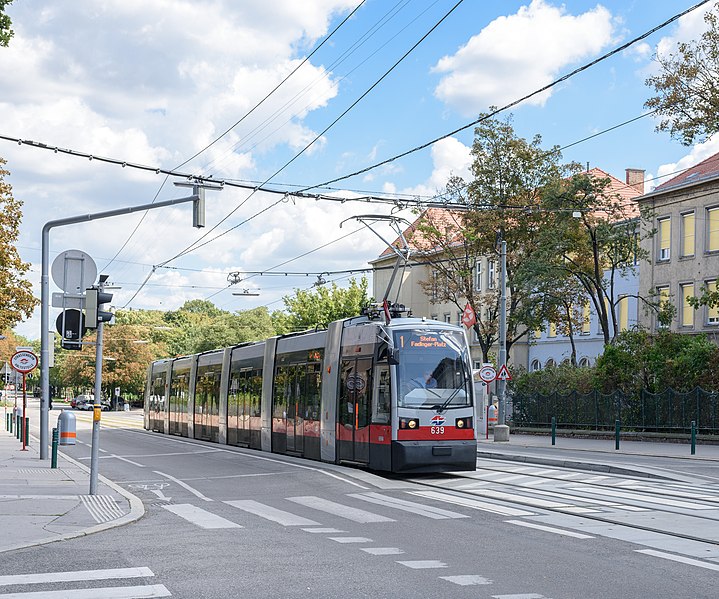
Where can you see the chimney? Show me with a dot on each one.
(635, 178)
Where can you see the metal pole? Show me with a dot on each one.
(694, 437)
(45, 296)
(554, 430)
(24, 414)
(97, 408)
(617, 426)
(502, 384)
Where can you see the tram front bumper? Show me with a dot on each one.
(429, 456)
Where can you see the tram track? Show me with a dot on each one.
(564, 493)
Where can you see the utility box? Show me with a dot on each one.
(66, 428)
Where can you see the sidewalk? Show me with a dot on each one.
(39, 504)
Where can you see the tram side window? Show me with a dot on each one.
(381, 408)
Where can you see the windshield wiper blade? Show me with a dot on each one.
(443, 407)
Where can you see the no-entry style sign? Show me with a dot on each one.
(24, 361)
(487, 373)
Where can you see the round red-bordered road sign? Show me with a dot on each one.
(24, 361)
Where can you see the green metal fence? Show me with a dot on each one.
(666, 412)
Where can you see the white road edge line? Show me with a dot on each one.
(195, 492)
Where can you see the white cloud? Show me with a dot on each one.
(698, 153)
(517, 54)
(450, 157)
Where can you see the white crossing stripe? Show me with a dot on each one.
(424, 564)
(474, 504)
(84, 575)
(680, 558)
(520, 596)
(408, 506)
(200, 517)
(195, 492)
(557, 531)
(337, 509)
(382, 550)
(270, 513)
(146, 592)
(351, 539)
(467, 579)
(324, 530)
(647, 498)
(541, 503)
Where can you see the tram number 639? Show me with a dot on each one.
(437, 430)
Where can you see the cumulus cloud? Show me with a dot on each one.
(698, 153)
(517, 54)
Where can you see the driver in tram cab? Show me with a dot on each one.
(426, 381)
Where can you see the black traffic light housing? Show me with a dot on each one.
(95, 300)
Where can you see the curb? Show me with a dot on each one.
(137, 511)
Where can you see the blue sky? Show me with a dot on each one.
(154, 83)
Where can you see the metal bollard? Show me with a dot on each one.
(554, 430)
(18, 426)
(694, 437)
(55, 438)
(616, 434)
(27, 431)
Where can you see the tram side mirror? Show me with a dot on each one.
(393, 357)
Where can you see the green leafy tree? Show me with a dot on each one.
(5, 32)
(16, 299)
(687, 92)
(318, 307)
(589, 240)
(510, 175)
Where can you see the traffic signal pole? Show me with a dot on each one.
(97, 407)
(198, 197)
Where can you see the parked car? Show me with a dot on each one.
(86, 402)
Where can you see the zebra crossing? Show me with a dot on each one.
(44, 580)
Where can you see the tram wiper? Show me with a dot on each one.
(443, 407)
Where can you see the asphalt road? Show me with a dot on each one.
(227, 522)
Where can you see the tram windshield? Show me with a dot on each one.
(432, 369)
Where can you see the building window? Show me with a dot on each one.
(713, 229)
(623, 313)
(491, 274)
(665, 238)
(435, 286)
(663, 294)
(586, 318)
(584, 363)
(459, 317)
(552, 329)
(550, 363)
(687, 310)
(536, 365)
(688, 234)
(447, 317)
(712, 312)
(478, 275)
(537, 333)
(433, 317)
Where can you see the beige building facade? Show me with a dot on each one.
(684, 252)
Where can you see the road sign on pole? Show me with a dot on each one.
(503, 374)
(487, 373)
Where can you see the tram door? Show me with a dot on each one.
(355, 409)
(297, 385)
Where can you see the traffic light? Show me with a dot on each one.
(71, 325)
(94, 301)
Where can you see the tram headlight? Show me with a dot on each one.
(463, 423)
(410, 423)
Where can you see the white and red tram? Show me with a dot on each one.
(396, 397)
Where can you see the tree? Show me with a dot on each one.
(687, 92)
(16, 299)
(5, 32)
(510, 174)
(591, 238)
(310, 309)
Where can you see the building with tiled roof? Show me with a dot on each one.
(545, 348)
(684, 253)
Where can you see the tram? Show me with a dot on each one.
(387, 395)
